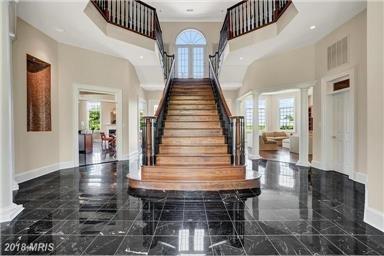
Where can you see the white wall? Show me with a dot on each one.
(374, 213)
(70, 66)
(355, 29)
(34, 149)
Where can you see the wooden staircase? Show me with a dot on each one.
(193, 152)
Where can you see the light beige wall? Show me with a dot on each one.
(281, 71)
(356, 30)
(83, 115)
(70, 65)
(106, 110)
(375, 108)
(33, 149)
(79, 66)
(210, 30)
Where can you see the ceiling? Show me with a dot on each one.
(77, 29)
(186, 10)
(326, 15)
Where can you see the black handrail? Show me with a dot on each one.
(247, 16)
(234, 129)
(154, 125)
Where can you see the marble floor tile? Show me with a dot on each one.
(91, 211)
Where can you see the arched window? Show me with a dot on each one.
(190, 52)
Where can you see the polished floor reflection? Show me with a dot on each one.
(91, 211)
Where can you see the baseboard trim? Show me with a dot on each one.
(303, 164)
(360, 177)
(318, 165)
(374, 217)
(35, 173)
(10, 212)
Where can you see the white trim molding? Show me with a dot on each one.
(374, 217)
(360, 177)
(35, 173)
(10, 212)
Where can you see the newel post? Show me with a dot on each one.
(148, 141)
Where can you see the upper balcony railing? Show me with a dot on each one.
(245, 17)
(137, 17)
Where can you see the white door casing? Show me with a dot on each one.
(338, 125)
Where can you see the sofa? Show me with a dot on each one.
(276, 136)
(294, 144)
(267, 144)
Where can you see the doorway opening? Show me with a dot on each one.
(97, 128)
(190, 54)
(97, 125)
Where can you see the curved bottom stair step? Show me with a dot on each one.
(251, 180)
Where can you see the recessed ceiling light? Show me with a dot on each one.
(241, 58)
(189, 10)
(312, 27)
(141, 57)
(59, 30)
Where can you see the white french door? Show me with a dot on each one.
(190, 61)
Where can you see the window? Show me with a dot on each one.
(94, 116)
(249, 115)
(190, 50)
(262, 117)
(287, 114)
(190, 36)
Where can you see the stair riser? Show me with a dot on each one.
(203, 125)
(182, 160)
(191, 93)
(192, 102)
(192, 140)
(187, 132)
(193, 150)
(193, 112)
(201, 97)
(193, 118)
(192, 107)
(196, 177)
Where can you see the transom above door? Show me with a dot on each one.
(190, 54)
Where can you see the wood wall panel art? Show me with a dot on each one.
(38, 95)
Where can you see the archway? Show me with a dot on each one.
(190, 54)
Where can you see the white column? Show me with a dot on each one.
(255, 127)
(8, 210)
(238, 107)
(304, 129)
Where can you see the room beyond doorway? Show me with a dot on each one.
(97, 125)
(97, 128)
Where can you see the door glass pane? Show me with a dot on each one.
(182, 62)
(198, 62)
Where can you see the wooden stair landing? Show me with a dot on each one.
(193, 154)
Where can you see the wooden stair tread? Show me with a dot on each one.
(193, 155)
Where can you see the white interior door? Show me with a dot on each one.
(341, 132)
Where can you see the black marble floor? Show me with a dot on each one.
(99, 154)
(91, 211)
